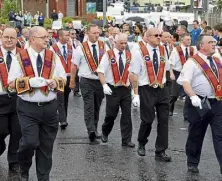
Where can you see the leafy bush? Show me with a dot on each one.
(3, 20)
(67, 20)
(9, 5)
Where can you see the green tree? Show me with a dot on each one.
(219, 4)
(9, 5)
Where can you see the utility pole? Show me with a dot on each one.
(47, 8)
(104, 12)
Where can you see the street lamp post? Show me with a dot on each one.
(104, 12)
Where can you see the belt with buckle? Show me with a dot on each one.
(41, 103)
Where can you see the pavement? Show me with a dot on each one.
(75, 160)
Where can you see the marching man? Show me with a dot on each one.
(201, 78)
(114, 76)
(148, 79)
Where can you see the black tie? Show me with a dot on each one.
(166, 50)
(39, 64)
(186, 54)
(74, 45)
(95, 54)
(64, 52)
(212, 65)
(121, 66)
(155, 61)
(8, 60)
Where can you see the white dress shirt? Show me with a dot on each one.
(138, 65)
(193, 74)
(174, 59)
(75, 42)
(16, 72)
(80, 61)
(169, 52)
(13, 55)
(105, 67)
(61, 49)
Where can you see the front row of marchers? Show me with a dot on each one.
(39, 77)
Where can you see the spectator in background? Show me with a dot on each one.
(217, 29)
(175, 39)
(29, 19)
(208, 31)
(181, 30)
(138, 31)
(25, 18)
(54, 15)
(60, 16)
(195, 33)
(36, 18)
(11, 16)
(203, 25)
(41, 20)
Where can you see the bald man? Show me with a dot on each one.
(113, 74)
(8, 115)
(37, 76)
(148, 78)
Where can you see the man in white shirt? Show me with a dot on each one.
(37, 76)
(8, 113)
(60, 16)
(201, 78)
(75, 43)
(114, 77)
(65, 51)
(86, 60)
(148, 79)
(177, 59)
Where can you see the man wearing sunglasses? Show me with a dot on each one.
(148, 79)
(8, 113)
(177, 59)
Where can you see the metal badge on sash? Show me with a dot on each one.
(155, 85)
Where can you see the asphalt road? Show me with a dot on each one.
(75, 160)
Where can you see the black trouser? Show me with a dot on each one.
(121, 97)
(168, 83)
(151, 98)
(63, 100)
(77, 83)
(9, 125)
(198, 128)
(39, 126)
(92, 93)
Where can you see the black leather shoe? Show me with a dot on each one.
(104, 138)
(141, 150)
(98, 136)
(92, 138)
(63, 125)
(76, 94)
(14, 168)
(162, 157)
(170, 113)
(193, 169)
(129, 144)
(221, 170)
(24, 176)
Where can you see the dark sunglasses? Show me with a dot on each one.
(157, 35)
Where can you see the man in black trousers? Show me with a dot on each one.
(37, 76)
(147, 70)
(9, 124)
(115, 80)
(201, 78)
(64, 50)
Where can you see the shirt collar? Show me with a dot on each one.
(33, 52)
(4, 51)
(204, 57)
(183, 47)
(90, 44)
(116, 51)
(150, 48)
(61, 45)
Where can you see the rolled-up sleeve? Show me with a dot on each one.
(104, 64)
(77, 56)
(59, 70)
(135, 65)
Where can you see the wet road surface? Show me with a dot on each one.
(75, 160)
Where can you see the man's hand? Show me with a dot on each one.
(172, 76)
(72, 84)
(196, 102)
(51, 83)
(107, 90)
(136, 100)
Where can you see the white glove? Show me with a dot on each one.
(37, 82)
(196, 102)
(136, 100)
(107, 90)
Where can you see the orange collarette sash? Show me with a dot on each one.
(181, 54)
(66, 66)
(3, 71)
(211, 77)
(155, 80)
(21, 42)
(89, 57)
(115, 70)
(28, 71)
